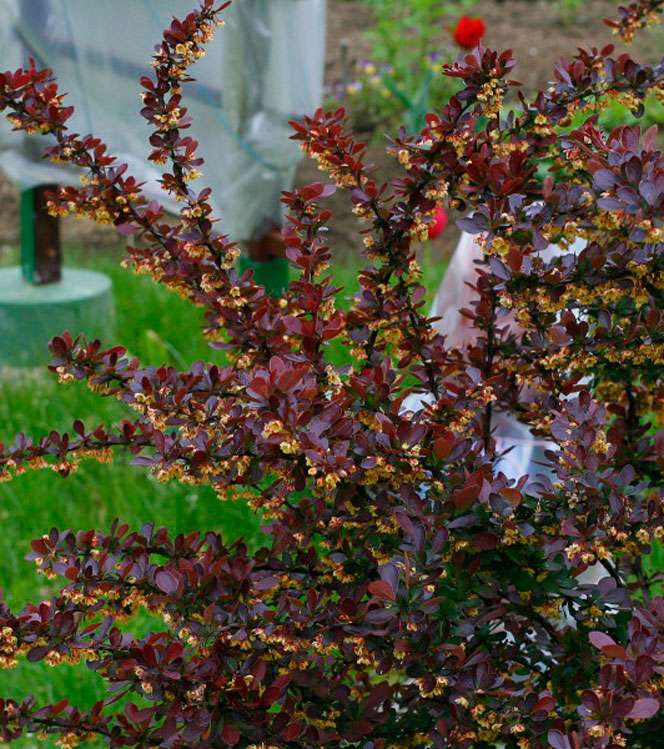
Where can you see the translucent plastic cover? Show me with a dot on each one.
(263, 69)
(455, 293)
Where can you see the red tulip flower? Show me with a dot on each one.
(469, 32)
(439, 223)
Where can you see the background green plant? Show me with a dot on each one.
(401, 78)
(406, 32)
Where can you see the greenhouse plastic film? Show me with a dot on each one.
(262, 70)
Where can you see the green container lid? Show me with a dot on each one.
(82, 302)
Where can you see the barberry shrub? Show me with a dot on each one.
(411, 594)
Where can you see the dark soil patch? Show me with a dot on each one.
(533, 30)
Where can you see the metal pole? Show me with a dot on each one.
(41, 255)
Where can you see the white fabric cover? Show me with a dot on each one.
(453, 295)
(263, 69)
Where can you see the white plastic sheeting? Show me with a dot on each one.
(263, 69)
(526, 452)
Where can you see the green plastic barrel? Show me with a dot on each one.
(81, 302)
(273, 274)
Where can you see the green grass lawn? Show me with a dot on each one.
(158, 327)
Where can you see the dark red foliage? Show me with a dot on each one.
(409, 593)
